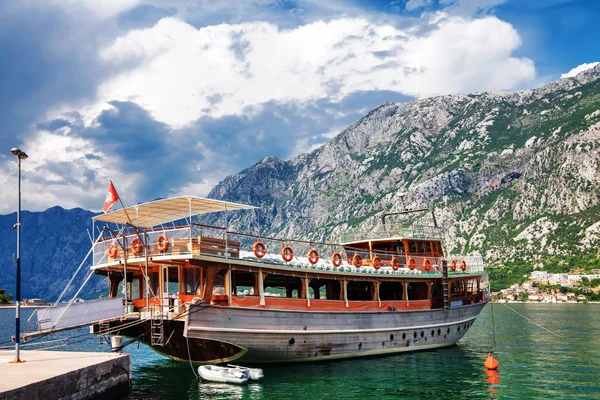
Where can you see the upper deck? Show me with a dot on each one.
(153, 236)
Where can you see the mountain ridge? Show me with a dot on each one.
(512, 176)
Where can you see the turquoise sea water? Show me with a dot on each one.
(534, 364)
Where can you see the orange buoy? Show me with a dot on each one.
(259, 249)
(287, 253)
(313, 256)
(395, 264)
(357, 261)
(427, 265)
(113, 250)
(336, 259)
(376, 262)
(491, 363)
(162, 242)
(137, 246)
(453, 265)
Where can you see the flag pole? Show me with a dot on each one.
(123, 205)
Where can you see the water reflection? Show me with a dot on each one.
(202, 390)
(533, 363)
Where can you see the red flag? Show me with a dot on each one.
(111, 198)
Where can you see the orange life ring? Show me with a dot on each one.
(313, 256)
(411, 263)
(427, 265)
(113, 250)
(336, 259)
(395, 264)
(259, 249)
(463, 265)
(357, 261)
(453, 265)
(287, 253)
(162, 242)
(376, 262)
(137, 246)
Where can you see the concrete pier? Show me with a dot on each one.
(64, 375)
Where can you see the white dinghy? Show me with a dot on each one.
(254, 373)
(215, 373)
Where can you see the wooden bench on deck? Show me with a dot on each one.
(214, 247)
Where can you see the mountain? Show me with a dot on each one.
(53, 244)
(512, 176)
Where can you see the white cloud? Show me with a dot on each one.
(180, 73)
(414, 4)
(102, 8)
(578, 69)
(58, 172)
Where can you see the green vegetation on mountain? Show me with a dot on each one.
(5, 298)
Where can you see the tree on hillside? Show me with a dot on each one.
(5, 298)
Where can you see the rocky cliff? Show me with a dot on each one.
(511, 175)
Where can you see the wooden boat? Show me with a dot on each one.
(212, 295)
(215, 373)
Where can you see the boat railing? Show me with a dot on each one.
(400, 230)
(206, 240)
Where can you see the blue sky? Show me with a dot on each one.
(169, 97)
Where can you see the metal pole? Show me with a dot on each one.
(18, 303)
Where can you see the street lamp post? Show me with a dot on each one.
(21, 155)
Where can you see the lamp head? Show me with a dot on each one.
(19, 153)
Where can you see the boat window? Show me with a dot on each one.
(426, 248)
(437, 249)
(135, 288)
(171, 280)
(243, 283)
(153, 283)
(417, 291)
(282, 286)
(472, 286)
(390, 291)
(325, 289)
(413, 247)
(360, 290)
(192, 280)
(458, 288)
(400, 247)
(219, 282)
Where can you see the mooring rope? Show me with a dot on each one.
(493, 327)
(187, 342)
(533, 322)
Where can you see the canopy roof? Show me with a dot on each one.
(162, 211)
